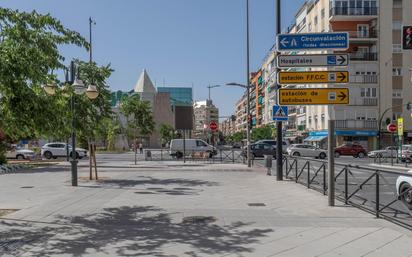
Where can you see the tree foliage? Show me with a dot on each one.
(138, 114)
(264, 132)
(166, 132)
(237, 137)
(29, 53)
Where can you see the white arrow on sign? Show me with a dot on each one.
(284, 42)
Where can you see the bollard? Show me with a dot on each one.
(268, 164)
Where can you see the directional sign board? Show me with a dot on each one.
(312, 60)
(313, 96)
(312, 77)
(280, 113)
(313, 41)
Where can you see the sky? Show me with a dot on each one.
(179, 42)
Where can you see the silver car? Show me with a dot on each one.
(306, 150)
(390, 151)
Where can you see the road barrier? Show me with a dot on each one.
(220, 156)
(370, 189)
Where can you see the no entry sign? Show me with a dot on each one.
(213, 126)
(391, 128)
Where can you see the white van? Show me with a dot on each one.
(191, 145)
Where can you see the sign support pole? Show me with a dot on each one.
(331, 163)
(279, 140)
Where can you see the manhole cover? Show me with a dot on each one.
(256, 204)
(198, 220)
(27, 187)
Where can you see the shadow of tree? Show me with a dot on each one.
(147, 180)
(129, 231)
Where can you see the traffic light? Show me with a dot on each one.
(250, 120)
(407, 38)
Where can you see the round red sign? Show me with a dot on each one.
(213, 126)
(391, 128)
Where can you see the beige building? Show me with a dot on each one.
(227, 126)
(241, 114)
(379, 78)
(204, 113)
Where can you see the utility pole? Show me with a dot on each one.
(279, 140)
(249, 163)
(91, 22)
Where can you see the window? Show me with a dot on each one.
(368, 92)
(315, 20)
(200, 143)
(396, 48)
(397, 93)
(322, 13)
(363, 30)
(396, 71)
(396, 25)
(310, 26)
(397, 3)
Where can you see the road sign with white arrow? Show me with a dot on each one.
(313, 77)
(312, 60)
(313, 41)
(313, 96)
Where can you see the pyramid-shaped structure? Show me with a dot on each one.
(144, 84)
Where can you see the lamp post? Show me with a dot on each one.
(247, 87)
(78, 88)
(210, 87)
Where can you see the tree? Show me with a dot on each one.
(166, 132)
(264, 132)
(237, 137)
(29, 52)
(138, 114)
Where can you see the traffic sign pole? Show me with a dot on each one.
(279, 140)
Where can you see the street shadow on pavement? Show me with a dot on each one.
(150, 181)
(128, 231)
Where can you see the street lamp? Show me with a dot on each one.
(247, 88)
(79, 89)
(210, 87)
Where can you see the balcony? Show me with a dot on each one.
(367, 101)
(353, 13)
(356, 124)
(362, 35)
(364, 79)
(363, 56)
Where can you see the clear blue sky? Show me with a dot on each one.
(178, 41)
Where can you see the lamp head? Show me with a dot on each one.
(92, 92)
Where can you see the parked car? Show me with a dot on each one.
(306, 150)
(260, 150)
(404, 189)
(191, 145)
(20, 154)
(351, 149)
(55, 150)
(406, 153)
(389, 151)
(285, 144)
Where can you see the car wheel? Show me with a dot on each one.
(253, 156)
(77, 155)
(361, 155)
(20, 157)
(179, 155)
(406, 197)
(296, 154)
(48, 155)
(322, 156)
(337, 154)
(379, 155)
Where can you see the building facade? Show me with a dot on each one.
(205, 112)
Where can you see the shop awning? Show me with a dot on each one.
(314, 138)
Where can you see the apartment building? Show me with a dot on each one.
(227, 126)
(204, 113)
(241, 114)
(379, 82)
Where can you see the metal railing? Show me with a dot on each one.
(366, 124)
(220, 156)
(371, 33)
(364, 79)
(354, 11)
(370, 189)
(363, 56)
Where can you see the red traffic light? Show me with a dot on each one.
(407, 37)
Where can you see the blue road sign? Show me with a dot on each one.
(313, 41)
(280, 113)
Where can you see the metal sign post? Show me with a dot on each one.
(331, 163)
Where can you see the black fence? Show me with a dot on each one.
(386, 194)
(220, 156)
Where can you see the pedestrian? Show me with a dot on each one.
(141, 148)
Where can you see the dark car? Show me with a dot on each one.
(351, 149)
(261, 149)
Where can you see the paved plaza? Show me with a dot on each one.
(173, 209)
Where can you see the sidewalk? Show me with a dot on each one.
(171, 209)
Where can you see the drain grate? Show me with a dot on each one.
(201, 220)
(256, 204)
(27, 187)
